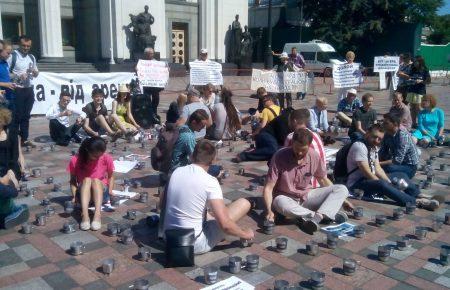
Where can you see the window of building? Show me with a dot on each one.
(12, 27)
(68, 32)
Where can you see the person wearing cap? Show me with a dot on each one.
(288, 67)
(350, 58)
(347, 106)
(61, 131)
(121, 114)
(194, 104)
(203, 55)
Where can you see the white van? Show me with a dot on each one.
(318, 55)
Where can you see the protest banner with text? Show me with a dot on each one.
(152, 73)
(48, 86)
(386, 63)
(279, 82)
(347, 75)
(204, 72)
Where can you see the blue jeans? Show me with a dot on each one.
(371, 187)
(409, 170)
(265, 146)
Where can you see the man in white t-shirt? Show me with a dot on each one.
(22, 67)
(191, 191)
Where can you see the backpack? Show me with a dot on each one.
(161, 154)
(340, 170)
(14, 60)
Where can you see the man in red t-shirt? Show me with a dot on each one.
(289, 191)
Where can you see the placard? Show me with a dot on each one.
(386, 63)
(204, 72)
(279, 82)
(152, 73)
(347, 75)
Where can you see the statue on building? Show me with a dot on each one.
(235, 40)
(142, 32)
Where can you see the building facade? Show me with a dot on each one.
(90, 30)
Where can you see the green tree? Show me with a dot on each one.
(441, 30)
(347, 23)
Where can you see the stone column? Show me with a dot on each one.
(1, 26)
(207, 27)
(50, 29)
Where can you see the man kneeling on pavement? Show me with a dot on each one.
(288, 190)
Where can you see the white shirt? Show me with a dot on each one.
(190, 187)
(359, 153)
(23, 62)
(54, 111)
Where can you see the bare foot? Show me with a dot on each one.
(12, 179)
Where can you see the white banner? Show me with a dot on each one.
(152, 73)
(279, 82)
(204, 72)
(386, 63)
(48, 86)
(346, 75)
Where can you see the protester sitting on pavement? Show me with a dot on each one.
(185, 144)
(91, 179)
(347, 106)
(121, 114)
(97, 119)
(59, 114)
(191, 190)
(288, 189)
(365, 173)
(270, 111)
(208, 96)
(418, 78)
(12, 164)
(194, 104)
(398, 151)
(430, 129)
(318, 120)
(401, 110)
(269, 139)
(176, 108)
(363, 118)
(226, 117)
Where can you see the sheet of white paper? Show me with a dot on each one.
(330, 151)
(108, 207)
(233, 283)
(124, 194)
(343, 229)
(124, 166)
(382, 80)
(140, 157)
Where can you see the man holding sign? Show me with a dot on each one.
(153, 76)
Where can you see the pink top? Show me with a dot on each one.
(99, 169)
(316, 145)
(292, 179)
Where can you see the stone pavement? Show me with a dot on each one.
(41, 260)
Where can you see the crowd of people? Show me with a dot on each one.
(297, 186)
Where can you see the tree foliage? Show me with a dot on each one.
(347, 23)
(441, 30)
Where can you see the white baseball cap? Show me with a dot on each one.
(204, 51)
(284, 55)
(352, 91)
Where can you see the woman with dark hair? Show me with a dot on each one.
(91, 179)
(418, 78)
(121, 112)
(11, 166)
(430, 123)
(226, 117)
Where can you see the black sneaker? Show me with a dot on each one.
(17, 217)
(310, 227)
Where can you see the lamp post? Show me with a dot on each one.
(268, 64)
(111, 60)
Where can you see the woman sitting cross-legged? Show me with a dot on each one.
(431, 122)
(91, 179)
(121, 112)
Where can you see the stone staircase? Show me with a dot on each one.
(75, 67)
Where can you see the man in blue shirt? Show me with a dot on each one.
(5, 79)
(347, 106)
(185, 144)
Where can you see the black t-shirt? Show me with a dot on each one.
(414, 75)
(92, 113)
(367, 119)
(9, 154)
(279, 127)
